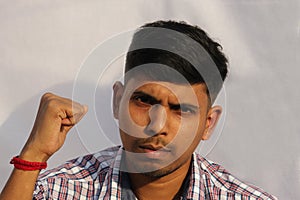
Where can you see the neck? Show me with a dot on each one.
(166, 187)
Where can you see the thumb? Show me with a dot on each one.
(68, 122)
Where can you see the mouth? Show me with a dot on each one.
(154, 152)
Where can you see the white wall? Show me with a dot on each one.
(44, 43)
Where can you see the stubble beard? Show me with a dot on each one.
(137, 166)
(162, 172)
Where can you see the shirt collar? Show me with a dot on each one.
(193, 184)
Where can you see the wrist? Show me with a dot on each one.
(27, 165)
(31, 155)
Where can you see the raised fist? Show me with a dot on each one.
(55, 117)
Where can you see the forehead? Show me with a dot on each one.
(172, 91)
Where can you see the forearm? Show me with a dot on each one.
(55, 117)
(20, 185)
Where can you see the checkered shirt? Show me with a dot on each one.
(97, 176)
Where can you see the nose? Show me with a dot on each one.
(158, 116)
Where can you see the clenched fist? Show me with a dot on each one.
(55, 117)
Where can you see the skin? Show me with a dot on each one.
(160, 134)
(55, 117)
(144, 132)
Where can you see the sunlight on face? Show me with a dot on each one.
(161, 123)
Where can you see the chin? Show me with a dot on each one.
(164, 170)
(161, 172)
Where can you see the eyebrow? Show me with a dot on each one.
(156, 101)
(140, 93)
(185, 105)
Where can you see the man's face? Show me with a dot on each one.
(160, 123)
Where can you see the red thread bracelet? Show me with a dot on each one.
(27, 165)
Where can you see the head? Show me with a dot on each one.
(173, 73)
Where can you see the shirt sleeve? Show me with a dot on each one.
(40, 191)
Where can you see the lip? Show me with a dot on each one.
(154, 152)
(151, 147)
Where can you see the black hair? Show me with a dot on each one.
(178, 53)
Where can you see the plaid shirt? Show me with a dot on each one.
(97, 176)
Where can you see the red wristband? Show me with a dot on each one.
(27, 165)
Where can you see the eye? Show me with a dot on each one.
(187, 110)
(184, 109)
(143, 100)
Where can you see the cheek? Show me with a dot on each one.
(190, 134)
(194, 126)
(131, 121)
(139, 116)
(127, 141)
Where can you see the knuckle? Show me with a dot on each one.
(47, 96)
(52, 103)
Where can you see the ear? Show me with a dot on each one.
(213, 116)
(118, 90)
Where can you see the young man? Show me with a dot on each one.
(174, 72)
